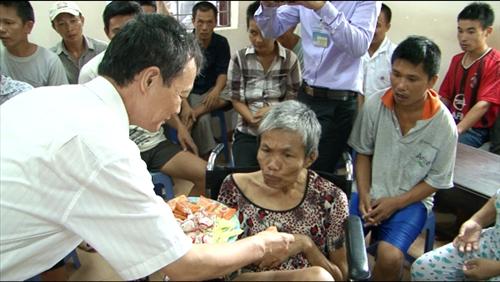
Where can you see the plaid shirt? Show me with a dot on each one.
(248, 83)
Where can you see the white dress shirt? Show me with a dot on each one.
(377, 68)
(70, 172)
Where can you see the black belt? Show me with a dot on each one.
(332, 94)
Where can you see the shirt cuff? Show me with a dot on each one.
(266, 11)
(328, 13)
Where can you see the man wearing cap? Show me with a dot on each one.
(75, 49)
(21, 59)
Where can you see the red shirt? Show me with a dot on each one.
(459, 84)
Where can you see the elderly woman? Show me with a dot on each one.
(286, 194)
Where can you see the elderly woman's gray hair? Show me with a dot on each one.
(294, 116)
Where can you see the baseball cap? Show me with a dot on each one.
(59, 7)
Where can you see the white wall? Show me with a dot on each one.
(434, 19)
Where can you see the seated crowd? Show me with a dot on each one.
(342, 85)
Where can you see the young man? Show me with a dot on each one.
(209, 84)
(335, 35)
(471, 87)
(260, 76)
(21, 59)
(405, 140)
(86, 178)
(377, 61)
(75, 49)
(180, 161)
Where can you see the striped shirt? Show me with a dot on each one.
(72, 66)
(248, 83)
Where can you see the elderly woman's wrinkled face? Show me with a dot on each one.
(281, 157)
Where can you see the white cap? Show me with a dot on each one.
(59, 7)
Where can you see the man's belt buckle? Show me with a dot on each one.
(342, 95)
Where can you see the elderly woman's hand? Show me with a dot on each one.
(301, 243)
(275, 243)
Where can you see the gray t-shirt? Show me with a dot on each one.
(426, 152)
(42, 68)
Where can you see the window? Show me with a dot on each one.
(182, 10)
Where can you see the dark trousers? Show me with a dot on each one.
(245, 150)
(336, 119)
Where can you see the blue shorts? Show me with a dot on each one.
(399, 230)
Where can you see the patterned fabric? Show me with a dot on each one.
(10, 88)
(320, 216)
(445, 263)
(248, 83)
(145, 139)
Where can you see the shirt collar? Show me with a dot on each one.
(383, 48)
(281, 50)
(431, 104)
(103, 89)
(60, 48)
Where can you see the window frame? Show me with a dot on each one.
(225, 15)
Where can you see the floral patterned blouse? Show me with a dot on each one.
(320, 215)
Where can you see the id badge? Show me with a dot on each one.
(320, 37)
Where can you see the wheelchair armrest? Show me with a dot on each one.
(348, 165)
(213, 156)
(357, 258)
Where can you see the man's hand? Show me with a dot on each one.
(187, 115)
(258, 116)
(481, 269)
(210, 100)
(186, 141)
(468, 236)
(382, 209)
(365, 207)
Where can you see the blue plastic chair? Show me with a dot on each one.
(164, 186)
(73, 256)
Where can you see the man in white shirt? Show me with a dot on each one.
(377, 60)
(159, 153)
(83, 178)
